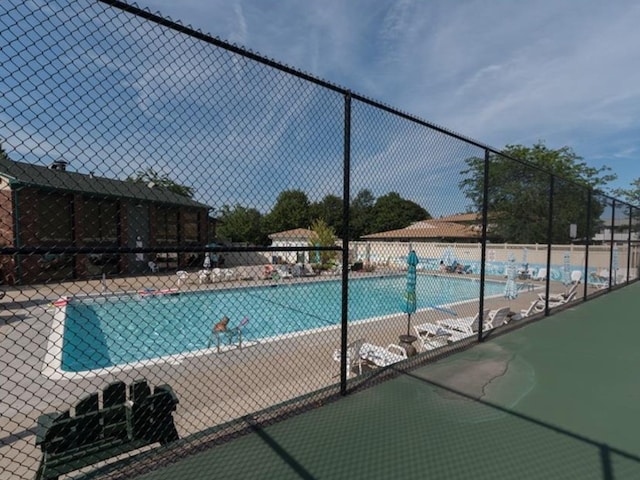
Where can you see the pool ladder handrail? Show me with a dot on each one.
(229, 333)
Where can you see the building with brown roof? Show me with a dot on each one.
(54, 207)
(465, 218)
(434, 230)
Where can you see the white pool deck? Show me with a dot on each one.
(212, 387)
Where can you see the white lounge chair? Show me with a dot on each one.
(284, 272)
(560, 297)
(230, 274)
(497, 318)
(465, 324)
(529, 311)
(541, 275)
(204, 276)
(216, 275)
(599, 279)
(353, 356)
(470, 325)
(576, 276)
(381, 356)
(556, 301)
(183, 276)
(432, 336)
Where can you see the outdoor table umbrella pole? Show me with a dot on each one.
(410, 304)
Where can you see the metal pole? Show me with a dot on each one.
(345, 243)
(629, 244)
(549, 241)
(586, 246)
(613, 225)
(483, 251)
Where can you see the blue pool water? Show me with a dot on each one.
(108, 331)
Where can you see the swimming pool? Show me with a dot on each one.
(108, 331)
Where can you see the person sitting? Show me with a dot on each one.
(268, 271)
(222, 326)
(443, 267)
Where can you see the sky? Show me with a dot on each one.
(500, 71)
(114, 94)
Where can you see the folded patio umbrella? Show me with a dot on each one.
(409, 305)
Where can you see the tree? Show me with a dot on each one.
(328, 209)
(632, 194)
(518, 200)
(323, 236)
(241, 224)
(392, 212)
(360, 214)
(151, 176)
(290, 211)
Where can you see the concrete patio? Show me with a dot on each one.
(212, 387)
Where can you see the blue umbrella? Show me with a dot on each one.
(410, 304)
(510, 288)
(566, 268)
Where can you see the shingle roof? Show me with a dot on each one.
(461, 217)
(429, 229)
(298, 233)
(19, 173)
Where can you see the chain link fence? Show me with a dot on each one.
(196, 239)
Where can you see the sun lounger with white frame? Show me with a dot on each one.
(432, 336)
(382, 356)
(465, 324)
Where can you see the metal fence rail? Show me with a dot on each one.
(194, 235)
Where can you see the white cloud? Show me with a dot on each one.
(501, 72)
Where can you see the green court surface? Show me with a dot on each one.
(556, 399)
